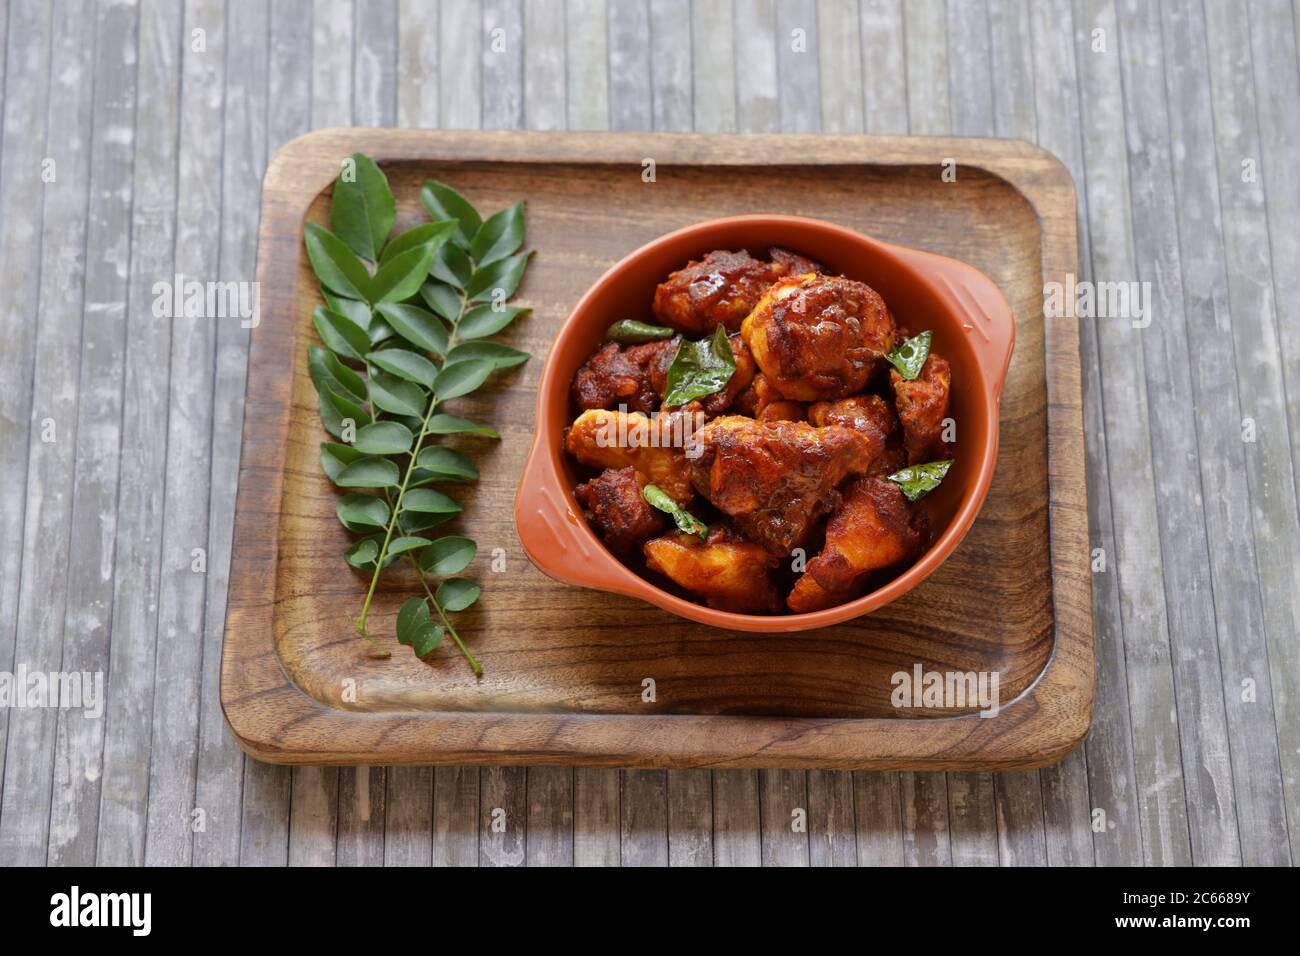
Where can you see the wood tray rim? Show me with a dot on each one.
(274, 720)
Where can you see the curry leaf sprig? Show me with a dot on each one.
(404, 329)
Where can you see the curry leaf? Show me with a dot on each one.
(418, 326)
(362, 209)
(917, 481)
(497, 281)
(461, 378)
(443, 202)
(334, 458)
(362, 512)
(384, 438)
(452, 266)
(428, 501)
(335, 264)
(410, 366)
(340, 334)
(456, 594)
(700, 368)
(401, 277)
(500, 236)
(412, 616)
(445, 463)
(362, 555)
(909, 355)
(502, 356)
(442, 299)
(401, 545)
(658, 498)
(394, 395)
(443, 424)
(369, 473)
(429, 233)
(483, 320)
(449, 555)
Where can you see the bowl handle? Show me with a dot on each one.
(555, 538)
(988, 320)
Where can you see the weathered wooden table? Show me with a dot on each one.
(134, 139)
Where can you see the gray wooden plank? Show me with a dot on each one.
(644, 818)
(51, 454)
(363, 808)
(737, 839)
(672, 106)
(417, 65)
(1020, 831)
(138, 561)
(597, 815)
(1011, 61)
(924, 800)
(586, 73)
(1137, 558)
(545, 103)
(832, 833)
(630, 100)
(182, 592)
(758, 105)
(1202, 719)
(690, 818)
(783, 815)
(972, 820)
(926, 57)
(408, 825)
(1067, 820)
(455, 816)
(549, 837)
(314, 816)
(839, 64)
(1277, 110)
(503, 64)
(78, 755)
(713, 75)
(798, 44)
(884, 97)
(970, 87)
(262, 836)
(1260, 376)
(503, 812)
(878, 816)
(460, 67)
(26, 88)
(332, 66)
(374, 57)
(1109, 747)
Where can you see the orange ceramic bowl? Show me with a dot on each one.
(973, 329)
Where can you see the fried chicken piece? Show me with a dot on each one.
(614, 376)
(716, 403)
(775, 479)
(600, 438)
(873, 528)
(784, 411)
(922, 406)
(818, 338)
(868, 415)
(721, 288)
(728, 571)
(615, 506)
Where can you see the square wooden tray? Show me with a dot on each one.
(565, 669)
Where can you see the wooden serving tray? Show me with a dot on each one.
(565, 669)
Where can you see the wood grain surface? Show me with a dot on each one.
(551, 653)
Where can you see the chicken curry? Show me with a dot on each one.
(760, 447)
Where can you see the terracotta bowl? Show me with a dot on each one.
(973, 329)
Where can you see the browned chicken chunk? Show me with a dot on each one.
(818, 338)
(616, 508)
(615, 376)
(922, 406)
(869, 415)
(653, 446)
(721, 288)
(775, 479)
(729, 572)
(873, 528)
